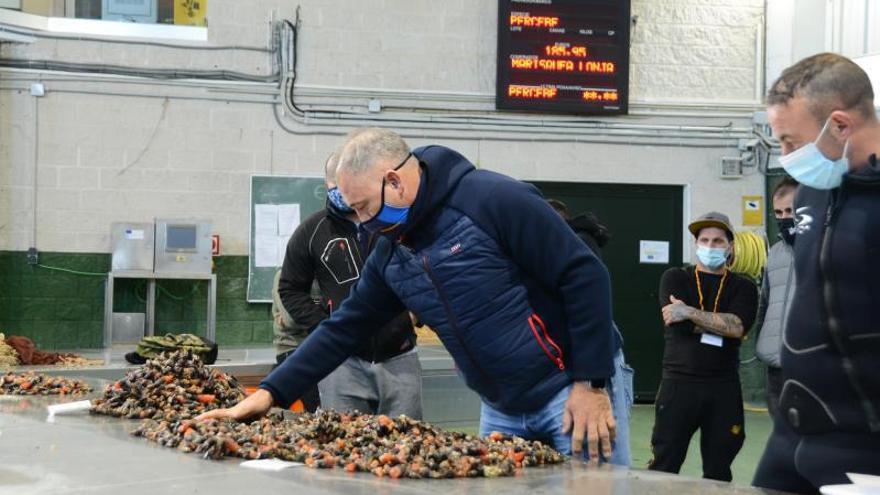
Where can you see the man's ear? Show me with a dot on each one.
(841, 125)
(393, 179)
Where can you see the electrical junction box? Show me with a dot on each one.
(132, 246)
(731, 167)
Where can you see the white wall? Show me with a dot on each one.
(113, 150)
(797, 29)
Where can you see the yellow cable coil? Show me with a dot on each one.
(750, 254)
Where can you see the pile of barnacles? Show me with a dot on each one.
(31, 383)
(399, 447)
(170, 387)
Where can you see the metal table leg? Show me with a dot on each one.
(212, 311)
(108, 312)
(151, 308)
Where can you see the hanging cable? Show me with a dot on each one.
(288, 83)
(175, 297)
(751, 254)
(294, 48)
(223, 75)
(73, 272)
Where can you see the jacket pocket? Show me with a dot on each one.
(550, 348)
(804, 410)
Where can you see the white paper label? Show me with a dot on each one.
(134, 235)
(712, 339)
(654, 252)
(69, 407)
(270, 464)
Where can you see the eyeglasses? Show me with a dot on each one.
(398, 167)
(408, 155)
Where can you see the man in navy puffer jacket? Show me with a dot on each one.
(522, 305)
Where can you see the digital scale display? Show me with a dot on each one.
(566, 56)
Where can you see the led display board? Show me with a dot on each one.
(567, 56)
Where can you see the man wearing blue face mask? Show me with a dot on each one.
(384, 375)
(822, 111)
(518, 300)
(707, 310)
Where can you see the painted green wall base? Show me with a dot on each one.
(62, 310)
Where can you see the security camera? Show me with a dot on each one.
(749, 144)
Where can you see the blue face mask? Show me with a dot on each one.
(388, 221)
(712, 258)
(809, 166)
(338, 201)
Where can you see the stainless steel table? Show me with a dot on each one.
(150, 318)
(89, 454)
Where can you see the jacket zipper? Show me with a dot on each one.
(453, 322)
(834, 328)
(784, 319)
(556, 355)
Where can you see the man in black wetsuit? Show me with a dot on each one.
(822, 111)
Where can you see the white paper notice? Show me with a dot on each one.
(265, 220)
(270, 464)
(288, 219)
(712, 339)
(266, 250)
(282, 249)
(654, 252)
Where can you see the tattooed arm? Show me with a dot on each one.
(723, 324)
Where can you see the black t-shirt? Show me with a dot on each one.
(684, 356)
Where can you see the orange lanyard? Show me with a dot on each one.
(700, 289)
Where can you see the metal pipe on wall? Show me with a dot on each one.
(36, 167)
(267, 89)
(661, 136)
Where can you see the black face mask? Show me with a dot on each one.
(787, 230)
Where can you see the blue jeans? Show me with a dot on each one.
(546, 423)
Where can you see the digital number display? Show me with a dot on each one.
(567, 56)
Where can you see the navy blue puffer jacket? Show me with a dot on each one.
(522, 305)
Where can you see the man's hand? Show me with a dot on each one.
(588, 410)
(676, 312)
(255, 405)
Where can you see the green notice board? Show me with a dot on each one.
(290, 200)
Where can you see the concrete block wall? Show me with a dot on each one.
(104, 157)
(681, 49)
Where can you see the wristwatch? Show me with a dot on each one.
(599, 383)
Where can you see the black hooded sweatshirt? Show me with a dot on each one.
(325, 248)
